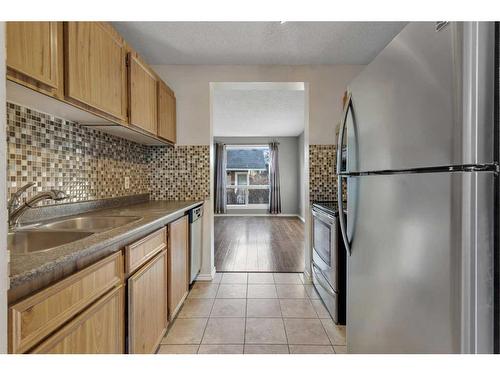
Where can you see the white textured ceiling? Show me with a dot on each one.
(258, 110)
(290, 43)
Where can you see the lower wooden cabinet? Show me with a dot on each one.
(98, 330)
(42, 314)
(147, 306)
(178, 261)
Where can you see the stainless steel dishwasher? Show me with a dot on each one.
(195, 241)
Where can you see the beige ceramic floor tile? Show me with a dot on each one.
(262, 291)
(311, 349)
(260, 278)
(220, 349)
(232, 291)
(320, 309)
(266, 349)
(305, 332)
(234, 278)
(340, 349)
(311, 292)
(297, 308)
(224, 331)
(263, 308)
(203, 290)
(178, 349)
(287, 278)
(291, 291)
(196, 308)
(186, 331)
(227, 308)
(305, 280)
(265, 331)
(336, 333)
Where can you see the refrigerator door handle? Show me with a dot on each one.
(340, 178)
(343, 227)
(343, 124)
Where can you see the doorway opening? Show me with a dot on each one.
(260, 175)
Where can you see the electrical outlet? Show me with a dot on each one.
(127, 182)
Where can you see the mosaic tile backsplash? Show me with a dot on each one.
(180, 172)
(322, 179)
(59, 154)
(88, 164)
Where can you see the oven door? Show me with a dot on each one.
(325, 242)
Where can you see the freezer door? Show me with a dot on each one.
(408, 110)
(412, 238)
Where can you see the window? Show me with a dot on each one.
(247, 171)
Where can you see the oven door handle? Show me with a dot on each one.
(329, 289)
(322, 215)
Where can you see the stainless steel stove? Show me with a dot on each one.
(329, 259)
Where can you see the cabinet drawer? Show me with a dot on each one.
(39, 315)
(139, 252)
(98, 330)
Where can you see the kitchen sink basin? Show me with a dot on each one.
(90, 223)
(31, 241)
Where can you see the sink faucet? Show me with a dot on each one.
(16, 210)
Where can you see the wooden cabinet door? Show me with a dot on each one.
(95, 67)
(34, 55)
(178, 271)
(142, 95)
(98, 330)
(42, 314)
(167, 125)
(147, 306)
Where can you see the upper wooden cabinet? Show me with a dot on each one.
(88, 65)
(95, 67)
(35, 55)
(142, 82)
(167, 127)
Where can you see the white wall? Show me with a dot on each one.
(301, 176)
(191, 85)
(325, 85)
(4, 277)
(289, 171)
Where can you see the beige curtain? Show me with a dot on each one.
(220, 179)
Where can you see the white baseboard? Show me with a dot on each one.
(301, 219)
(206, 276)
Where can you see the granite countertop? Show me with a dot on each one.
(32, 271)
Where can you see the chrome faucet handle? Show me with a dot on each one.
(14, 200)
(60, 195)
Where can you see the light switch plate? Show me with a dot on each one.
(127, 182)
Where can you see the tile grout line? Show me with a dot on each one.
(283, 322)
(245, 328)
(209, 315)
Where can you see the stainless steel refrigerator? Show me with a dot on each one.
(420, 172)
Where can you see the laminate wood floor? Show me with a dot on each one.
(259, 244)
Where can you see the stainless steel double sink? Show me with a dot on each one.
(46, 236)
